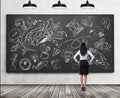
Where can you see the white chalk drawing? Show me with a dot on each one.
(44, 51)
(29, 21)
(67, 54)
(14, 34)
(47, 49)
(55, 63)
(67, 48)
(34, 57)
(20, 22)
(98, 31)
(70, 40)
(40, 65)
(81, 39)
(42, 47)
(14, 60)
(56, 51)
(74, 27)
(43, 41)
(24, 49)
(34, 36)
(41, 25)
(25, 64)
(41, 34)
(87, 22)
(102, 45)
(100, 60)
(75, 44)
(91, 31)
(35, 22)
(105, 22)
(44, 55)
(15, 47)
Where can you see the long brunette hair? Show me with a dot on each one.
(83, 49)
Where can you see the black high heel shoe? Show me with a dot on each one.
(83, 88)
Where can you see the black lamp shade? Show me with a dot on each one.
(87, 4)
(59, 5)
(29, 4)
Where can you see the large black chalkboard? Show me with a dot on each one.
(47, 43)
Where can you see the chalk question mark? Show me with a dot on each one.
(105, 22)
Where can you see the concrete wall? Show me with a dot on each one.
(73, 7)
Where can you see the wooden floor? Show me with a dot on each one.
(59, 91)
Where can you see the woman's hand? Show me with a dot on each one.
(90, 63)
(78, 62)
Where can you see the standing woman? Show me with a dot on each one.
(84, 64)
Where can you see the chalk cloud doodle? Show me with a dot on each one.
(47, 43)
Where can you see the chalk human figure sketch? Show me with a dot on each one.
(47, 43)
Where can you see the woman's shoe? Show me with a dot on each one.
(83, 88)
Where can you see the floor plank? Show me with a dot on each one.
(68, 92)
(60, 91)
(55, 93)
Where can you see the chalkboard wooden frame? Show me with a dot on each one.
(46, 43)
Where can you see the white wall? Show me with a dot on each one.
(73, 7)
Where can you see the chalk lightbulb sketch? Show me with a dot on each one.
(47, 43)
